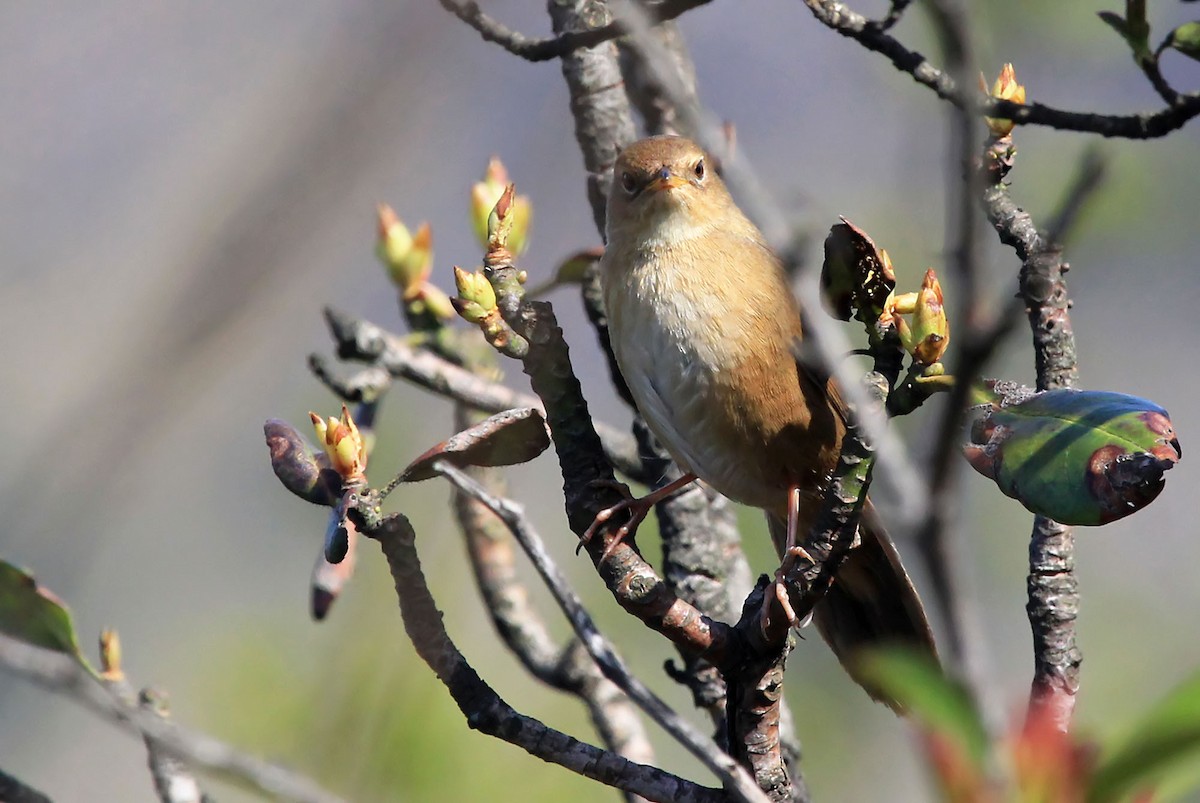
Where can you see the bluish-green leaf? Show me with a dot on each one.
(1078, 457)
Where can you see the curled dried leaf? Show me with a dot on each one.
(504, 439)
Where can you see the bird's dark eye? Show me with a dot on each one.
(627, 183)
(699, 170)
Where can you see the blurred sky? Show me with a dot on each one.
(185, 186)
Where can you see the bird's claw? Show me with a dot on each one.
(778, 593)
(638, 510)
(790, 557)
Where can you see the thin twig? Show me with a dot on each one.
(1052, 586)
(659, 111)
(566, 42)
(733, 777)
(357, 339)
(484, 709)
(838, 17)
(1164, 89)
(895, 12)
(63, 674)
(938, 539)
(521, 627)
(173, 780)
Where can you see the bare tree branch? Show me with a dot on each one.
(567, 41)
(1052, 586)
(357, 339)
(484, 710)
(873, 36)
(939, 538)
(173, 780)
(569, 669)
(733, 777)
(63, 674)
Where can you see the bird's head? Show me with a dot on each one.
(664, 189)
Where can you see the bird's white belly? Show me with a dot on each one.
(672, 376)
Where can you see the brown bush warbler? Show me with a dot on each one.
(704, 329)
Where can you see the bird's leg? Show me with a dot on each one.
(638, 508)
(791, 552)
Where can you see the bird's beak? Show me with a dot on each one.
(665, 180)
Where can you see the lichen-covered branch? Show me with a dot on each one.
(599, 106)
(1053, 589)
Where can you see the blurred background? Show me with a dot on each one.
(185, 186)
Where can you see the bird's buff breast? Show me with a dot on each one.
(678, 342)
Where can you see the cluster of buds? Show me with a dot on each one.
(486, 197)
(476, 301)
(344, 444)
(929, 335)
(409, 261)
(1005, 88)
(858, 280)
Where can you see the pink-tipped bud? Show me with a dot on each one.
(485, 196)
(476, 299)
(930, 328)
(1005, 88)
(407, 257)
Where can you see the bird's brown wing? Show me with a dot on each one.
(872, 602)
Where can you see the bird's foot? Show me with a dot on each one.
(777, 598)
(638, 507)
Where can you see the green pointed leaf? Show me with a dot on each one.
(1133, 29)
(1186, 39)
(1165, 742)
(1115, 21)
(940, 704)
(1078, 457)
(34, 615)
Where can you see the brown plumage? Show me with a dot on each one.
(703, 326)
